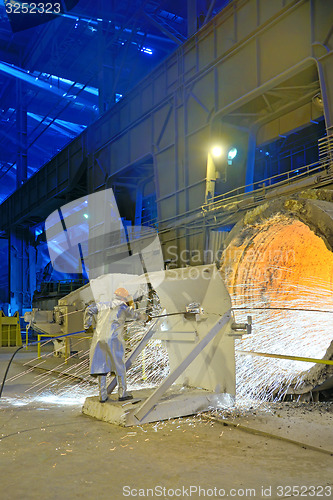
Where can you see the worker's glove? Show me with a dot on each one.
(143, 317)
(130, 303)
(86, 326)
(87, 321)
(88, 316)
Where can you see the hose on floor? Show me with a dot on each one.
(26, 345)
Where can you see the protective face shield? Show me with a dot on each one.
(87, 236)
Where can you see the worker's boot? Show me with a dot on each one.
(123, 395)
(103, 394)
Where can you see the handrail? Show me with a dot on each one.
(241, 193)
(259, 188)
(291, 176)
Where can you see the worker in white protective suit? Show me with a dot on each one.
(107, 352)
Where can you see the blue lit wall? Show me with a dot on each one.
(289, 153)
(3, 271)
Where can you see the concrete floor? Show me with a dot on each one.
(49, 450)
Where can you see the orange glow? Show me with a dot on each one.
(280, 263)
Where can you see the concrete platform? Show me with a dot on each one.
(178, 402)
(41, 441)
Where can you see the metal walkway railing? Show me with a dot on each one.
(321, 173)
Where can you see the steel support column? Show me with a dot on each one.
(101, 83)
(106, 68)
(19, 279)
(325, 70)
(4, 284)
(21, 130)
(138, 203)
(251, 153)
(192, 17)
(210, 179)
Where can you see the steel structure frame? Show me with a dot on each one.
(241, 57)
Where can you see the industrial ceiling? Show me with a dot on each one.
(56, 78)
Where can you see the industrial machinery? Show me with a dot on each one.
(66, 318)
(263, 268)
(196, 326)
(10, 331)
(198, 329)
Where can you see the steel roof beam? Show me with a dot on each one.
(164, 30)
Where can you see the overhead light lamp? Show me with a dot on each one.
(147, 50)
(232, 153)
(217, 151)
